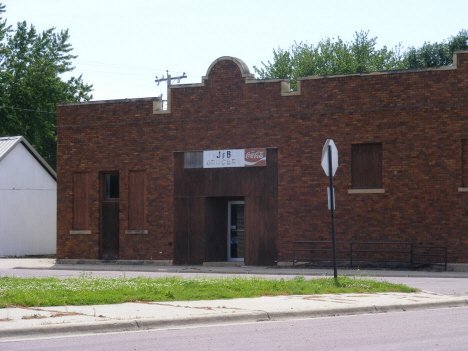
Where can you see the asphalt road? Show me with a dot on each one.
(443, 329)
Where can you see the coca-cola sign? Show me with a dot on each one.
(255, 157)
(234, 158)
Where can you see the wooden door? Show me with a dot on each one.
(216, 219)
(110, 217)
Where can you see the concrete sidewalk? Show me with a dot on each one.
(21, 323)
(143, 266)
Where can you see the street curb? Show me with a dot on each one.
(369, 310)
(130, 325)
(226, 318)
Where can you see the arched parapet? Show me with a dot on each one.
(242, 66)
(245, 73)
(250, 78)
(244, 69)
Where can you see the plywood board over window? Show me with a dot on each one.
(366, 166)
(465, 163)
(81, 209)
(137, 200)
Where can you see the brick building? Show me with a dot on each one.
(136, 182)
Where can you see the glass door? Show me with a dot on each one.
(236, 242)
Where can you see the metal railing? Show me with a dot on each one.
(425, 257)
(385, 253)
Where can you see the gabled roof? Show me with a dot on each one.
(9, 143)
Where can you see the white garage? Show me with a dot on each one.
(28, 200)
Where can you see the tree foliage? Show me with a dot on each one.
(436, 54)
(31, 65)
(332, 56)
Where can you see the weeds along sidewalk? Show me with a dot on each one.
(88, 289)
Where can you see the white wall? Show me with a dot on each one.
(28, 206)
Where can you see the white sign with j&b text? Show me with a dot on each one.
(234, 158)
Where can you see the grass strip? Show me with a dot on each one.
(92, 290)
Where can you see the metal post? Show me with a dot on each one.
(294, 252)
(332, 206)
(445, 264)
(411, 256)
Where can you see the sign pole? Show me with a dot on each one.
(332, 206)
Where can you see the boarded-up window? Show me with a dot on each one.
(81, 211)
(465, 163)
(366, 166)
(193, 159)
(137, 200)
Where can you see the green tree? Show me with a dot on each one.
(330, 56)
(31, 65)
(436, 54)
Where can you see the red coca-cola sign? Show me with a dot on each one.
(255, 157)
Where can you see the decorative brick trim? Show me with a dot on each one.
(80, 231)
(136, 232)
(158, 104)
(366, 191)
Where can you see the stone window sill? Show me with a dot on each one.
(80, 231)
(463, 190)
(136, 232)
(366, 191)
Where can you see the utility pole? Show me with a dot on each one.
(169, 81)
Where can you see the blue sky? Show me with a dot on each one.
(123, 45)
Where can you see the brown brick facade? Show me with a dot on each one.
(420, 117)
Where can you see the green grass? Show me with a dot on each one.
(91, 290)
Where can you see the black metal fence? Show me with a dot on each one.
(389, 254)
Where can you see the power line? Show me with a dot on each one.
(127, 67)
(168, 80)
(26, 109)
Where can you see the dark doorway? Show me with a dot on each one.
(110, 217)
(217, 234)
